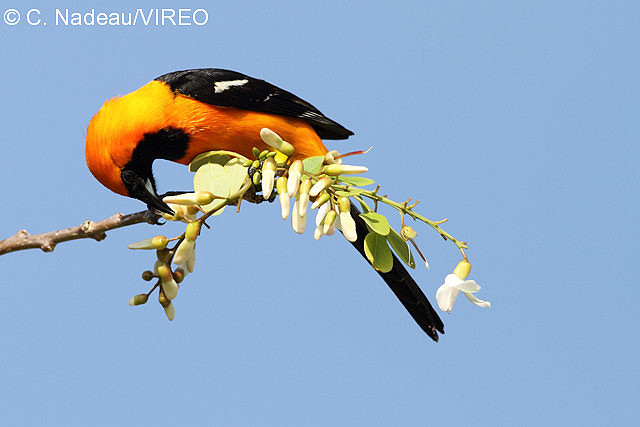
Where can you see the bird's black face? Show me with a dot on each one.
(143, 188)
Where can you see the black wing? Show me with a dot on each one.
(227, 88)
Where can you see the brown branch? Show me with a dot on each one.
(87, 230)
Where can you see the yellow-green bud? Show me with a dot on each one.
(204, 197)
(164, 272)
(247, 163)
(407, 233)
(328, 220)
(263, 154)
(256, 178)
(147, 275)
(344, 204)
(281, 185)
(193, 210)
(159, 242)
(256, 163)
(162, 299)
(139, 299)
(462, 270)
(193, 229)
(339, 169)
(321, 200)
(255, 151)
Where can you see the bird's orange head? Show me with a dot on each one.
(122, 143)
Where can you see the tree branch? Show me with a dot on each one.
(87, 230)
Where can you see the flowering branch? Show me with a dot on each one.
(87, 230)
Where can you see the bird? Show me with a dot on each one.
(181, 114)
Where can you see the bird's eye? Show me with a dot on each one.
(128, 177)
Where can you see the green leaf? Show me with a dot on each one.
(355, 180)
(221, 157)
(238, 174)
(209, 157)
(214, 178)
(313, 164)
(378, 253)
(350, 192)
(401, 248)
(364, 206)
(376, 222)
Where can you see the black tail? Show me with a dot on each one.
(403, 285)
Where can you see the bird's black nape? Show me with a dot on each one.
(403, 286)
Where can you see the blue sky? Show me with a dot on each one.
(516, 120)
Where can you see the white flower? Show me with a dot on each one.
(448, 291)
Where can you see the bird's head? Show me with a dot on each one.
(119, 150)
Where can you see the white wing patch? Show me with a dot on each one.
(222, 86)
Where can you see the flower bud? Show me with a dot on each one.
(328, 221)
(183, 253)
(257, 176)
(281, 186)
(344, 204)
(322, 212)
(255, 151)
(330, 158)
(263, 154)
(162, 299)
(143, 244)
(170, 311)
(298, 222)
(139, 299)
(462, 270)
(268, 176)
(178, 275)
(164, 272)
(188, 199)
(204, 197)
(295, 173)
(256, 163)
(147, 275)
(170, 289)
(273, 139)
(338, 169)
(303, 202)
(322, 184)
(320, 200)
(407, 233)
(193, 229)
(317, 233)
(159, 242)
(191, 262)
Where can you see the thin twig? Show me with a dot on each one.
(87, 230)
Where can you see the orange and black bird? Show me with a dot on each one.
(182, 114)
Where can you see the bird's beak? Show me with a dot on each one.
(153, 201)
